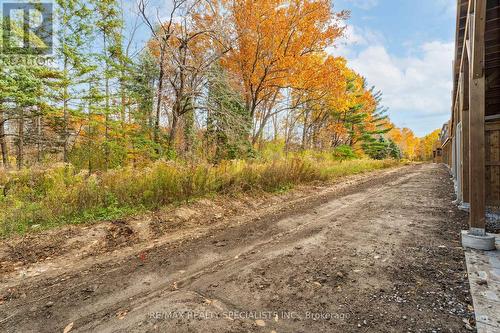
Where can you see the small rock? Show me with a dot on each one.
(68, 327)
(121, 314)
(260, 323)
(467, 324)
(49, 304)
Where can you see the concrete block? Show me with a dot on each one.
(485, 242)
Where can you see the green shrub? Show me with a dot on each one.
(344, 152)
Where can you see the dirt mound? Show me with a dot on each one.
(34, 248)
(120, 234)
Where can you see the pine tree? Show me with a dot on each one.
(7, 90)
(377, 149)
(24, 92)
(74, 35)
(109, 24)
(394, 151)
(228, 120)
(141, 89)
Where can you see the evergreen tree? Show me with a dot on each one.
(74, 34)
(109, 24)
(394, 151)
(24, 92)
(228, 121)
(141, 89)
(377, 149)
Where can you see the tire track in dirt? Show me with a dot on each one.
(302, 256)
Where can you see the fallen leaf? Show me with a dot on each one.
(260, 323)
(121, 314)
(68, 328)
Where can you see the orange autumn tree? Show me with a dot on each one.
(427, 144)
(413, 147)
(357, 114)
(343, 111)
(273, 38)
(406, 141)
(318, 91)
(333, 79)
(293, 91)
(196, 41)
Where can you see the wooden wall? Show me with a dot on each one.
(492, 57)
(447, 153)
(492, 146)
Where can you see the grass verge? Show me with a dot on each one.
(42, 199)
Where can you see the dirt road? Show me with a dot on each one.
(374, 253)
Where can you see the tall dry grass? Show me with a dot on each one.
(41, 199)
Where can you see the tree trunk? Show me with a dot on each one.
(173, 129)
(189, 134)
(3, 142)
(275, 127)
(315, 137)
(106, 118)
(123, 110)
(156, 134)
(90, 133)
(39, 146)
(65, 114)
(20, 141)
(304, 131)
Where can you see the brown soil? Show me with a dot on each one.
(374, 253)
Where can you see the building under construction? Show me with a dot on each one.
(470, 141)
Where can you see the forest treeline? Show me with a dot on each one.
(216, 80)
